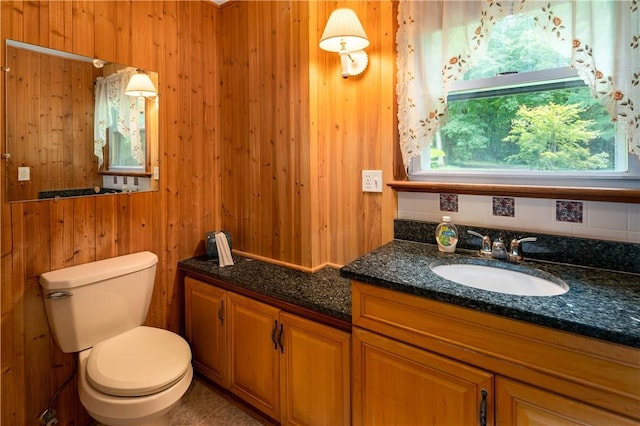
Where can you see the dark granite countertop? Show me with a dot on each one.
(600, 303)
(324, 292)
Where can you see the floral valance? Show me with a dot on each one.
(438, 41)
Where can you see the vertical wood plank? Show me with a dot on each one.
(169, 183)
(37, 339)
(83, 30)
(31, 13)
(62, 234)
(61, 225)
(60, 26)
(12, 19)
(43, 15)
(12, 357)
(123, 31)
(211, 134)
(106, 227)
(84, 235)
(143, 54)
(105, 27)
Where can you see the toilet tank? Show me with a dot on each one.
(88, 303)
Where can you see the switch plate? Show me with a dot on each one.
(24, 174)
(372, 180)
(156, 173)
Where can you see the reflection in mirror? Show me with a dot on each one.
(71, 129)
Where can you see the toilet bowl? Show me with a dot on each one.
(148, 370)
(128, 374)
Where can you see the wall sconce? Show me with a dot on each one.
(344, 34)
(140, 85)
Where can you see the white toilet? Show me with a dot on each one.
(128, 374)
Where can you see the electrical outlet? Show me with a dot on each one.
(372, 180)
(24, 174)
(156, 172)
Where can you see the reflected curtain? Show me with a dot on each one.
(117, 111)
(438, 41)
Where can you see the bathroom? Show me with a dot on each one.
(259, 135)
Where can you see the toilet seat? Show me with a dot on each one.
(139, 362)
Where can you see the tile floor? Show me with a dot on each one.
(206, 405)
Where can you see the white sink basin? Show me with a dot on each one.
(499, 280)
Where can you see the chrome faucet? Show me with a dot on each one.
(515, 254)
(498, 250)
(485, 247)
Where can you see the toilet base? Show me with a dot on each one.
(151, 410)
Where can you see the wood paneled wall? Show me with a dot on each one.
(259, 135)
(36, 136)
(296, 136)
(177, 40)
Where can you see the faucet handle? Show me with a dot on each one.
(515, 255)
(485, 247)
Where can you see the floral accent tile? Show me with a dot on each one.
(569, 211)
(449, 202)
(504, 206)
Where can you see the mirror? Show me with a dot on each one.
(61, 138)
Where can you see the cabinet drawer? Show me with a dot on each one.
(542, 356)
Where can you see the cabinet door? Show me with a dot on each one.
(521, 404)
(205, 315)
(398, 384)
(315, 373)
(254, 359)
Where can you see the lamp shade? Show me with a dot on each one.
(140, 85)
(343, 26)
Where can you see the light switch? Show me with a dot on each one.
(24, 174)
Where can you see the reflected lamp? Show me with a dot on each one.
(140, 85)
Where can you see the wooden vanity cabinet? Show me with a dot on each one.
(398, 384)
(315, 373)
(206, 330)
(295, 370)
(522, 404)
(253, 354)
(417, 361)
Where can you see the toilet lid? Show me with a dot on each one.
(141, 361)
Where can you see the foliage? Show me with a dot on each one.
(553, 137)
(477, 129)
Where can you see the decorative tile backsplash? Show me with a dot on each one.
(569, 211)
(585, 219)
(449, 202)
(504, 206)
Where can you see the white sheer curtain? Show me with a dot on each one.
(439, 40)
(117, 111)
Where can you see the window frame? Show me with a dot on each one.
(461, 89)
(142, 171)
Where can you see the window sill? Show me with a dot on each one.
(124, 173)
(614, 195)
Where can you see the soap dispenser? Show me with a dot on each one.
(446, 235)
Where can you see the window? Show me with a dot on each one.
(123, 126)
(118, 150)
(510, 105)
